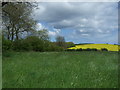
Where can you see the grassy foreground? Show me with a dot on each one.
(60, 70)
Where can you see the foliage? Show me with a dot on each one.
(104, 49)
(17, 19)
(36, 43)
(17, 45)
(43, 34)
(6, 47)
(50, 46)
(6, 44)
(70, 50)
(80, 49)
(31, 43)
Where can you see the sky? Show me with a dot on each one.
(79, 22)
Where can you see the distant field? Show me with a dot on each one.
(60, 70)
(110, 47)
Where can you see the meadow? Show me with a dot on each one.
(95, 69)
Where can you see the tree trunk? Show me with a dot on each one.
(12, 31)
(8, 36)
(12, 38)
(17, 35)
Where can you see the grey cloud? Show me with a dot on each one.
(95, 18)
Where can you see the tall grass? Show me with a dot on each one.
(60, 70)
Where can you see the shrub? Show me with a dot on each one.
(88, 49)
(26, 45)
(70, 50)
(30, 43)
(54, 47)
(17, 45)
(6, 45)
(35, 43)
(94, 49)
(104, 49)
(79, 49)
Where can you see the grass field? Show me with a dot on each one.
(60, 70)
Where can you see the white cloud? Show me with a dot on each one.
(81, 30)
(84, 20)
(55, 32)
(85, 34)
(99, 30)
(39, 26)
(52, 33)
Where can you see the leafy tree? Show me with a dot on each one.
(17, 19)
(43, 34)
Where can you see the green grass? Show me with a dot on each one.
(60, 70)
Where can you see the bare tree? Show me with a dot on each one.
(60, 41)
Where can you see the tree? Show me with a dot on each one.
(43, 34)
(60, 41)
(17, 19)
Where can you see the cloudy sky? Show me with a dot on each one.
(90, 22)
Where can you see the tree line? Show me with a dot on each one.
(19, 30)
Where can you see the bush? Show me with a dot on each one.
(88, 49)
(32, 43)
(17, 45)
(104, 49)
(26, 45)
(70, 50)
(79, 49)
(53, 47)
(94, 49)
(35, 43)
(6, 45)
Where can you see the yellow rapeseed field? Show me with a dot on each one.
(110, 47)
